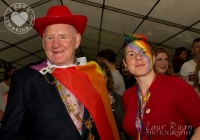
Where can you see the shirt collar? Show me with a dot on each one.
(51, 67)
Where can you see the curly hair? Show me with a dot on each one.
(110, 83)
(196, 80)
(170, 70)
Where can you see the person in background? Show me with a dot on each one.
(108, 57)
(5, 84)
(197, 79)
(2, 107)
(180, 57)
(157, 105)
(187, 71)
(64, 97)
(129, 79)
(162, 63)
(4, 88)
(115, 99)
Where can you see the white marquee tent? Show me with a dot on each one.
(167, 23)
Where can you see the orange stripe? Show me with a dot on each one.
(94, 70)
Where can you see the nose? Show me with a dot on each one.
(56, 43)
(164, 62)
(138, 56)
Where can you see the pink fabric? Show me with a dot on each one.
(78, 109)
(69, 99)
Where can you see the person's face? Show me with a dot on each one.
(60, 42)
(161, 63)
(196, 50)
(183, 55)
(138, 58)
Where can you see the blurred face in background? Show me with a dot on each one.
(161, 63)
(196, 49)
(183, 55)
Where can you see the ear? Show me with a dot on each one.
(43, 44)
(124, 63)
(78, 40)
(192, 49)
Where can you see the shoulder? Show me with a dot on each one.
(1, 84)
(26, 70)
(115, 73)
(117, 77)
(129, 92)
(173, 80)
(177, 85)
(26, 74)
(191, 62)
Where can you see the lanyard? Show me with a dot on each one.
(142, 101)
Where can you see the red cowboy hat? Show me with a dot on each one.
(60, 15)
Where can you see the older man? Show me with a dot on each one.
(58, 99)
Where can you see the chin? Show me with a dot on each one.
(59, 63)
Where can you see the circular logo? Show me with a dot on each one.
(18, 18)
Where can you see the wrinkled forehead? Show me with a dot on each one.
(140, 46)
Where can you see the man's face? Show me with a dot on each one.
(183, 55)
(60, 42)
(138, 58)
(196, 50)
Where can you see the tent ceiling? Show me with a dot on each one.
(167, 23)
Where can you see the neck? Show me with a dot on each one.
(145, 81)
(128, 76)
(195, 59)
(111, 66)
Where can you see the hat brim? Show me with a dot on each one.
(78, 21)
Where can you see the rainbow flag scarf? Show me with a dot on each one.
(87, 84)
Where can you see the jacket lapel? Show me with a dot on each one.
(85, 117)
(53, 95)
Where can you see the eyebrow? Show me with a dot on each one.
(62, 34)
(130, 51)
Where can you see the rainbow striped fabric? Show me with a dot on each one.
(88, 85)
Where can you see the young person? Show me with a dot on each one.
(157, 106)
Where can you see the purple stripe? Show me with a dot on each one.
(40, 66)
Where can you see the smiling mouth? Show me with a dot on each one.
(140, 65)
(163, 67)
(58, 52)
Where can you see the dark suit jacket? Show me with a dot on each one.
(35, 111)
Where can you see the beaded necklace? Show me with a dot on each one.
(70, 108)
